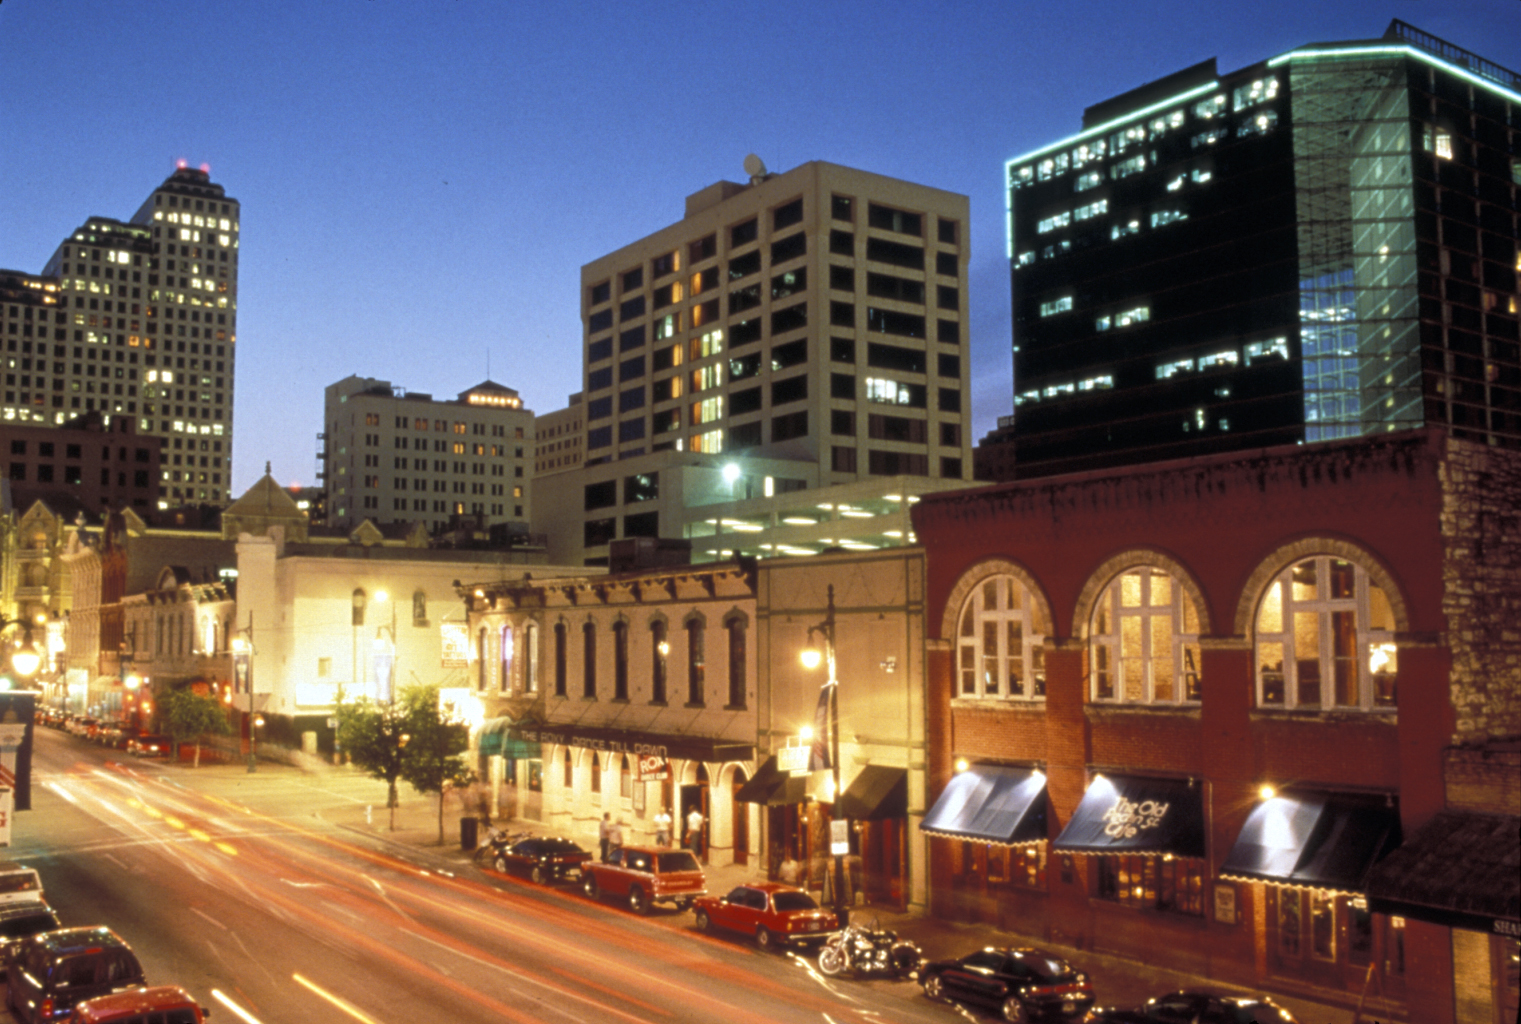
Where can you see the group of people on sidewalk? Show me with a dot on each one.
(610, 832)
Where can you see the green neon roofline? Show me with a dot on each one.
(1408, 51)
(1181, 97)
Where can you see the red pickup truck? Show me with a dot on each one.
(646, 875)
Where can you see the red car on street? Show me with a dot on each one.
(645, 875)
(775, 914)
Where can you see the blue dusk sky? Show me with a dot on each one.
(421, 180)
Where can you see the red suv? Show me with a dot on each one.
(645, 875)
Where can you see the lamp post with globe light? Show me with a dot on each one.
(811, 657)
(24, 657)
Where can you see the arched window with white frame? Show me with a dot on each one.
(1144, 641)
(1000, 642)
(1323, 639)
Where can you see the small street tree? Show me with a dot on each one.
(374, 736)
(431, 758)
(191, 716)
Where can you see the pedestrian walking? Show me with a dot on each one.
(694, 831)
(663, 828)
(615, 837)
(605, 834)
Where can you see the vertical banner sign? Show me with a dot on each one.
(12, 734)
(455, 644)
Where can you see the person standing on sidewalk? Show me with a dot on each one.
(605, 834)
(694, 831)
(663, 828)
(615, 836)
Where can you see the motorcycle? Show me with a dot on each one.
(870, 950)
(495, 843)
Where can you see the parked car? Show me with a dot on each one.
(19, 883)
(56, 970)
(1197, 1007)
(645, 875)
(149, 745)
(110, 734)
(168, 1004)
(81, 726)
(21, 921)
(546, 859)
(1021, 984)
(773, 913)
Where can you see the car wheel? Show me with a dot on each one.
(589, 886)
(538, 875)
(764, 938)
(500, 864)
(637, 901)
(704, 922)
(1014, 1011)
(934, 989)
(831, 960)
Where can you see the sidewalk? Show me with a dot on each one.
(1123, 982)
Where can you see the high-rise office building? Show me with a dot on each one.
(806, 330)
(394, 456)
(1320, 245)
(137, 319)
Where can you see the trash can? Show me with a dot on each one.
(468, 834)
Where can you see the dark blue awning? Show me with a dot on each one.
(1134, 814)
(991, 804)
(1315, 840)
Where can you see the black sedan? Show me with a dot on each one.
(1021, 984)
(1198, 1008)
(545, 859)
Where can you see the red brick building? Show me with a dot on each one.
(1121, 662)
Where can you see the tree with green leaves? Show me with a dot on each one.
(188, 716)
(432, 760)
(374, 736)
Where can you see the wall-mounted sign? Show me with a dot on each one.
(1127, 817)
(653, 768)
(793, 760)
(454, 641)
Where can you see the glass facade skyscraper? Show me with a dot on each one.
(1318, 246)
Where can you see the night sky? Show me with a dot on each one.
(422, 180)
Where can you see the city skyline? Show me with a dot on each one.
(477, 157)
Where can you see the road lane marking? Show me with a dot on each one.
(338, 1001)
(198, 912)
(247, 1017)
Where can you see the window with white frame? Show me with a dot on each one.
(1000, 642)
(1324, 639)
(1145, 641)
(531, 650)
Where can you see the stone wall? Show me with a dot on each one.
(1481, 534)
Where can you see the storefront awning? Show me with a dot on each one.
(1461, 870)
(990, 803)
(497, 737)
(877, 793)
(772, 787)
(1314, 840)
(1134, 814)
(635, 743)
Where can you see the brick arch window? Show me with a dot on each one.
(531, 653)
(660, 651)
(1000, 637)
(505, 639)
(561, 642)
(483, 671)
(620, 660)
(696, 660)
(735, 627)
(1144, 641)
(625, 779)
(589, 661)
(596, 773)
(570, 770)
(1323, 639)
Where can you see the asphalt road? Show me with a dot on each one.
(239, 890)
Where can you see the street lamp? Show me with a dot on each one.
(242, 659)
(829, 704)
(25, 658)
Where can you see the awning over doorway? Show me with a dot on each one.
(1461, 870)
(710, 749)
(1314, 840)
(772, 787)
(877, 793)
(1136, 814)
(498, 736)
(991, 803)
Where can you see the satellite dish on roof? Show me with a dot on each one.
(755, 167)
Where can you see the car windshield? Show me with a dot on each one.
(794, 901)
(19, 881)
(680, 860)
